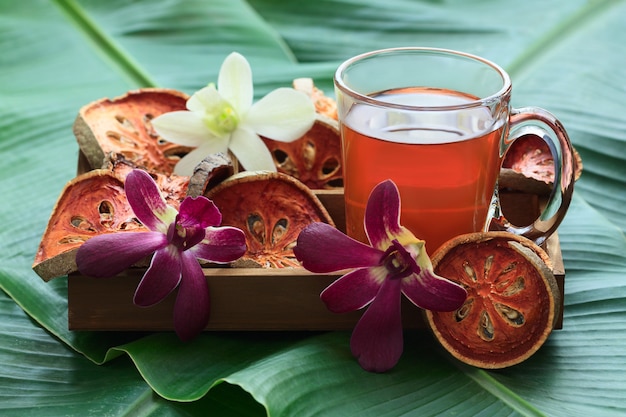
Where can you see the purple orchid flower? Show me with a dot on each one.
(177, 240)
(395, 264)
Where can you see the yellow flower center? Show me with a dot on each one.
(221, 119)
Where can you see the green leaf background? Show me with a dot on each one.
(568, 56)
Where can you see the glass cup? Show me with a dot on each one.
(438, 123)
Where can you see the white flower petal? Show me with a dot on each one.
(188, 162)
(284, 115)
(205, 99)
(182, 127)
(251, 152)
(235, 82)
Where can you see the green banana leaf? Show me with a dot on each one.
(56, 56)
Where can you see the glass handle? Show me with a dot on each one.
(541, 123)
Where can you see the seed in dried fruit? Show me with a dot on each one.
(513, 299)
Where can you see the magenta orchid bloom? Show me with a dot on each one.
(395, 264)
(177, 239)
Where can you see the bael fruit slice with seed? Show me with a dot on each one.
(315, 158)
(123, 126)
(513, 299)
(271, 208)
(90, 204)
(94, 203)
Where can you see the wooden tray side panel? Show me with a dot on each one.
(242, 299)
(255, 299)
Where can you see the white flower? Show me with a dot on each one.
(225, 119)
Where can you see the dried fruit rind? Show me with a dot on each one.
(123, 126)
(212, 170)
(513, 299)
(271, 208)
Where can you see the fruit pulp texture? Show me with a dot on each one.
(445, 164)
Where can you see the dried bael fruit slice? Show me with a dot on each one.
(123, 126)
(90, 204)
(315, 158)
(172, 186)
(513, 299)
(531, 156)
(529, 166)
(94, 203)
(271, 208)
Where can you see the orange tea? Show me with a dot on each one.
(445, 163)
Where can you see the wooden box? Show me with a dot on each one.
(252, 298)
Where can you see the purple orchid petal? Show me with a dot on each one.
(160, 279)
(323, 248)
(221, 244)
(354, 290)
(382, 214)
(109, 254)
(198, 212)
(432, 292)
(147, 202)
(377, 339)
(192, 307)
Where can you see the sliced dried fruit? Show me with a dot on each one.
(123, 126)
(530, 156)
(315, 158)
(271, 208)
(90, 204)
(513, 299)
(94, 203)
(172, 186)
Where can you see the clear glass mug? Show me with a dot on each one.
(438, 123)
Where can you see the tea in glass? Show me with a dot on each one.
(438, 123)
